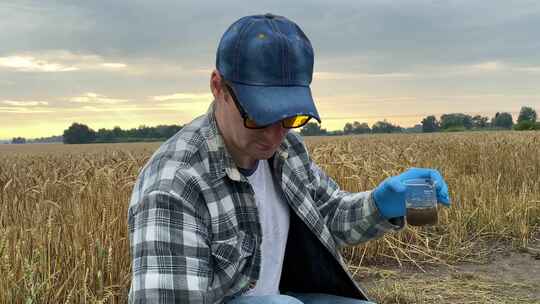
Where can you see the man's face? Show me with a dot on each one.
(256, 143)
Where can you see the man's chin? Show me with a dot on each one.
(266, 154)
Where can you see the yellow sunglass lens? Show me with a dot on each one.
(291, 122)
(295, 121)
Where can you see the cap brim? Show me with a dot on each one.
(270, 104)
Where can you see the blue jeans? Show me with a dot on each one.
(297, 298)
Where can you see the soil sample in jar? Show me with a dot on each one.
(421, 202)
(422, 216)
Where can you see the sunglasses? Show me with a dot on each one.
(296, 121)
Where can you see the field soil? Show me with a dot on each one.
(508, 275)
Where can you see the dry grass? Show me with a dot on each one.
(63, 233)
(494, 181)
(391, 287)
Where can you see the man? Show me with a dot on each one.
(233, 210)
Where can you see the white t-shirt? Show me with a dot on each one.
(274, 219)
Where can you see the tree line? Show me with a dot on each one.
(527, 120)
(461, 122)
(39, 140)
(81, 134)
(314, 129)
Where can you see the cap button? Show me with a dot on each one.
(269, 16)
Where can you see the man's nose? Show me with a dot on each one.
(276, 131)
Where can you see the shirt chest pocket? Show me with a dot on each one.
(231, 256)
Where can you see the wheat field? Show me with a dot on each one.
(63, 226)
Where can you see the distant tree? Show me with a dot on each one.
(430, 124)
(50, 139)
(456, 120)
(385, 127)
(480, 122)
(526, 119)
(527, 114)
(356, 128)
(117, 132)
(78, 134)
(335, 133)
(104, 135)
(360, 128)
(348, 128)
(312, 129)
(18, 140)
(525, 125)
(502, 120)
(142, 133)
(164, 131)
(414, 129)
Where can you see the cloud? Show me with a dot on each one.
(351, 76)
(25, 107)
(204, 71)
(369, 48)
(57, 61)
(426, 31)
(113, 109)
(23, 110)
(6, 83)
(481, 67)
(25, 103)
(488, 66)
(183, 96)
(94, 98)
(114, 65)
(531, 69)
(67, 61)
(31, 64)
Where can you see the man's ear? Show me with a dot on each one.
(215, 85)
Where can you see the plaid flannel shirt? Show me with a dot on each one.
(193, 223)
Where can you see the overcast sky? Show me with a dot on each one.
(129, 63)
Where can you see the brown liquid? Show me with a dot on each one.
(422, 216)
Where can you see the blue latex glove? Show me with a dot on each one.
(389, 195)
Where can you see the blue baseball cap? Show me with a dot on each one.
(268, 61)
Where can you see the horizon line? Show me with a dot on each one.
(353, 118)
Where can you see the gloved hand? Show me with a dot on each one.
(389, 196)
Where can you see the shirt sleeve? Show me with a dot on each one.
(352, 218)
(170, 252)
